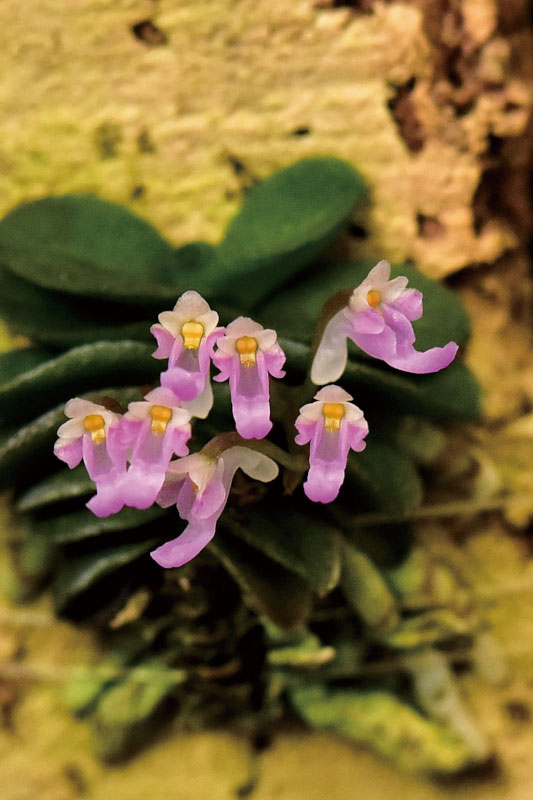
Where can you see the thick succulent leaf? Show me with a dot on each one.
(127, 713)
(295, 312)
(383, 477)
(366, 591)
(22, 359)
(66, 484)
(303, 543)
(58, 321)
(286, 221)
(89, 682)
(393, 728)
(270, 588)
(79, 370)
(81, 244)
(84, 576)
(452, 393)
(436, 626)
(26, 450)
(85, 525)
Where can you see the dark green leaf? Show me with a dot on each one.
(81, 244)
(303, 543)
(385, 476)
(82, 368)
(393, 728)
(81, 574)
(366, 591)
(55, 320)
(285, 222)
(14, 362)
(269, 587)
(85, 525)
(63, 485)
(126, 714)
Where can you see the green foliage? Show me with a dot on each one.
(378, 718)
(84, 279)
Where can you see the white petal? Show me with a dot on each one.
(311, 411)
(394, 289)
(333, 394)
(200, 406)
(330, 359)
(243, 326)
(376, 279)
(171, 321)
(72, 429)
(266, 339)
(209, 320)
(81, 408)
(256, 465)
(192, 305)
(138, 410)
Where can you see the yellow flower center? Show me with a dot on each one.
(373, 298)
(95, 425)
(246, 347)
(192, 333)
(161, 416)
(333, 413)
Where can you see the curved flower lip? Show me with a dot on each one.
(200, 486)
(249, 379)
(378, 319)
(153, 440)
(331, 439)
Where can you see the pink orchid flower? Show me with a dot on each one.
(156, 429)
(186, 336)
(94, 434)
(378, 319)
(333, 425)
(199, 485)
(247, 355)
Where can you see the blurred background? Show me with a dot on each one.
(174, 109)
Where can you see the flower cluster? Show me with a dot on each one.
(142, 456)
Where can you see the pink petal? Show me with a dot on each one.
(367, 321)
(108, 498)
(186, 546)
(142, 484)
(164, 339)
(422, 363)
(410, 304)
(70, 452)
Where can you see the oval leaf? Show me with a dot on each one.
(270, 588)
(66, 484)
(82, 368)
(55, 320)
(81, 244)
(85, 525)
(301, 542)
(286, 222)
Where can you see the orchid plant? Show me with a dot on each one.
(289, 397)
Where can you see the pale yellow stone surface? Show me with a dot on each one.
(236, 78)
